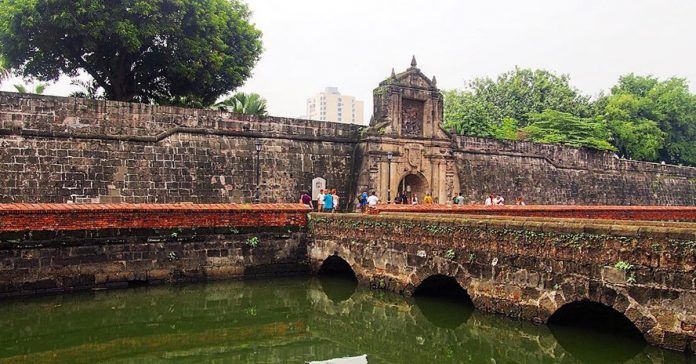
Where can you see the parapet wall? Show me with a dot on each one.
(58, 248)
(547, 174)
(57, 149)
(651, 213)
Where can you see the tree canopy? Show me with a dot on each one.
(135, 50)
(652, 119)
(243, 103)
(642, 118)
(553, 126)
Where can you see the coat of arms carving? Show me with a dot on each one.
(414, 156)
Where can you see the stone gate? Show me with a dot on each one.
(405, 148)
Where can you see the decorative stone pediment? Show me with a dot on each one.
(411, 78)
(408, 105)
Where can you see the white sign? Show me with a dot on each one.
(317, 185)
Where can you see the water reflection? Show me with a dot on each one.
(597, 346)
(447, 313)
(338, 288)
(284, 321)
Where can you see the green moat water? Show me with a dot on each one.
(293, 320)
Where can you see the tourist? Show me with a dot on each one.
(428, 199)
(307, 200)
(414, 199)
(372, 200)
(363, 201)
(459, 200)
(489, 200)
(328, 201)
(320, 201)
(499, 200)
(520, 201)
(335, 200)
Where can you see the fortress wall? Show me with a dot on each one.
(57, 149)
(556, 175)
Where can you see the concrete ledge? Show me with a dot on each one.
(653, 213)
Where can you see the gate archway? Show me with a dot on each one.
(413, 184)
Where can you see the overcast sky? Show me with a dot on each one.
(311, 44)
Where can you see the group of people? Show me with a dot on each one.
(365, 200)
(327, 201)
(498, 200)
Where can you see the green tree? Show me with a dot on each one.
(135, 50)
(5, 71)
(88, 90)
(243, 103)
(481, 108)
(23, 89)
(466, 114)
(652, 119)
(553, 126)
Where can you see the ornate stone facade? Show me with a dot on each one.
(405, 149)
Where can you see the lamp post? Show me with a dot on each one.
(258, 170)
(390, 156)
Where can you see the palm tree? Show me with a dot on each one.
(38, 89)
(89, 90)
(243, 103)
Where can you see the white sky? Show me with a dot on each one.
(311, 44)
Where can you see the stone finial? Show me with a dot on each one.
(413, 62)
(393, 74)
(434, 81)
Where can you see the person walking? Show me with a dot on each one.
(363, 201)
(428, 199)
(307, 200)
(320, 201)
(489, 200)
(460, 199)
(414, 199)
(372, 200)
(334, 196)
(328, 201)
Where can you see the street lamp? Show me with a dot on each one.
(390, 156)
(258, 170)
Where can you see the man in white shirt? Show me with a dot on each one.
(489, 201)
(320, 201)
(372, 200)
(499, 200)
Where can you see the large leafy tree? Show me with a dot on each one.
(485, 103)
(652, 119)
(135, 50)
(243, 103)
(553, 126)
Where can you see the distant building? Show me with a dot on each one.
(330, 105)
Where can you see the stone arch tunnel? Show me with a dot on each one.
(527, 269)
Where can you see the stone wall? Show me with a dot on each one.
(529, 267)
(48, 248)
(55, 149)
(549, 174)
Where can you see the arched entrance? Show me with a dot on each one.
(337, 279)
(582, 326)
(443, 302)
(413, 184)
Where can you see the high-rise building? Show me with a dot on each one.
(330, 105)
